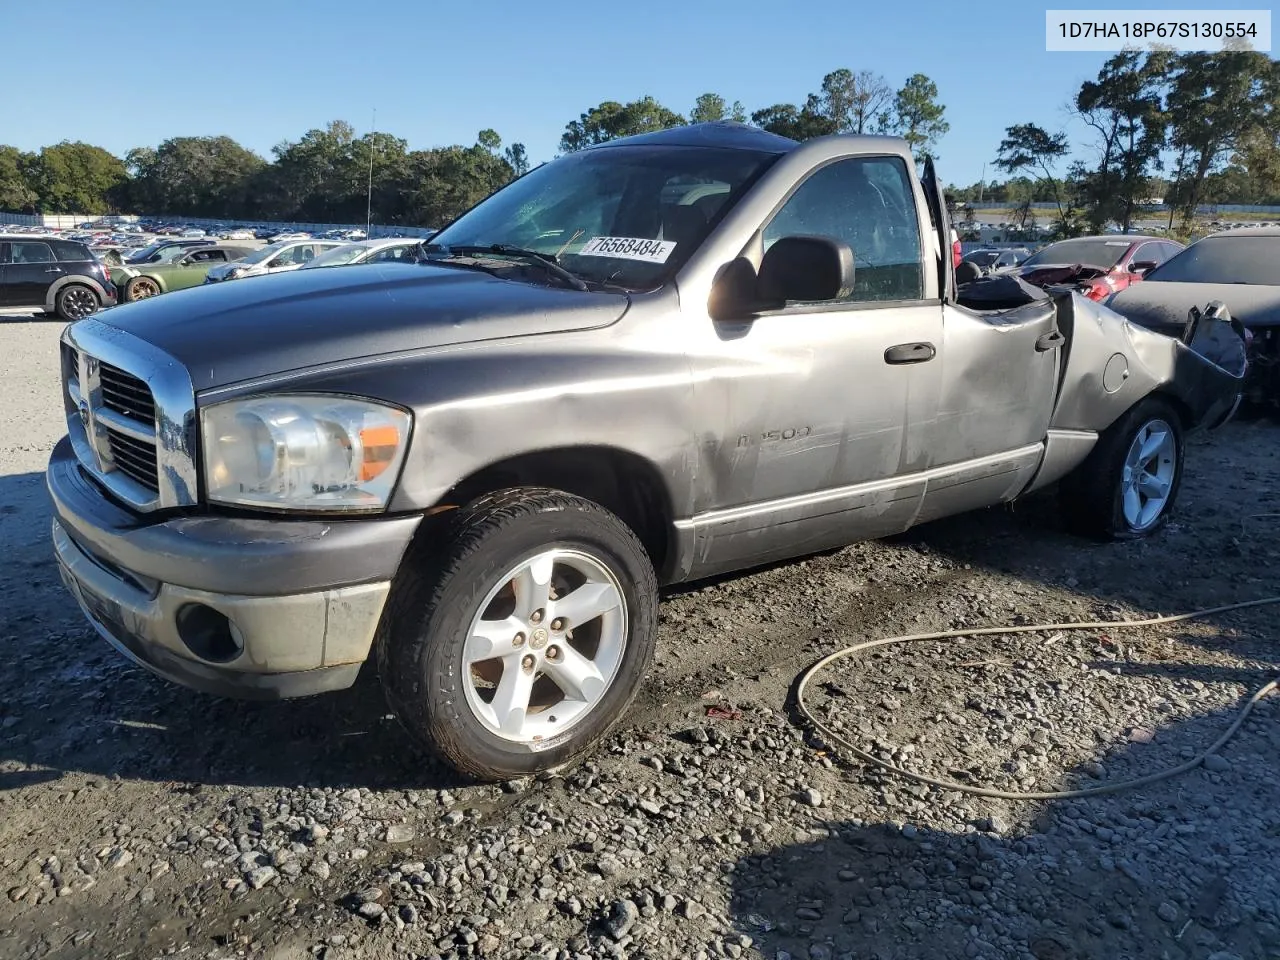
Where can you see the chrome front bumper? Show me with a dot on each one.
(303, 599)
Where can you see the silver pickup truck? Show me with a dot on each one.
(648, 362)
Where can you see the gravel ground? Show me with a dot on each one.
(141, 820)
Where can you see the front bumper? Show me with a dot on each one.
(303, 598)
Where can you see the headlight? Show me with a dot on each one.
(303, 452)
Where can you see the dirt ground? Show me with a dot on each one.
(138, 819)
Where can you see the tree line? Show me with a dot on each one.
(1186, 128)
(1207, 121)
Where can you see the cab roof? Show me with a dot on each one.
(730, 134)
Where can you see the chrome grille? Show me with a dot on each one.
(130, 416)
(134, 458)
(126, 395)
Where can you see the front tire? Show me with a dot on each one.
(1127, 488)
(76, 301)
(516, 645)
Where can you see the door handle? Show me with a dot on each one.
(910, 353)
(54, 270)
(1050, 341)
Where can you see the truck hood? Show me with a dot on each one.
(229, 332)
(1163, 305)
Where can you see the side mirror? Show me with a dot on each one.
(805, 269)
(1142, 267)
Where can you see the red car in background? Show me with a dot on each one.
(1097, 266)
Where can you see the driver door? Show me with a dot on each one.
(813, 451)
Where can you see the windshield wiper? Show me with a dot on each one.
(547, 261)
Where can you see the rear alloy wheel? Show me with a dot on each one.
(142, 287)
(516, 644)
(1127, 487)
(75, 301)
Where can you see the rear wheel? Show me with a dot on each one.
(516, 645)
(75, 301)
(139, 288)
(1127, 487)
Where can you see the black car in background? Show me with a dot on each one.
(1241, 268)
(54, 275)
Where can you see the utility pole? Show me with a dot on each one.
(368, 216)
(982, 185)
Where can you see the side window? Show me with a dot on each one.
(26, 251)
(67, 251)
(289, 256)
(1148, 251)
(1169, 250)
(867, 203)
(391, 254)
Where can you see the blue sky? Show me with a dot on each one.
(439, 72)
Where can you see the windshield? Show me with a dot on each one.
(984, 259)
(141, 255)
(628, 216)
(338, 256)
(1095, 253)
(1224, 260)
(263, 254)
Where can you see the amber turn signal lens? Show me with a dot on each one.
(379, 445)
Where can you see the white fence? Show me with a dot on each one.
(69, 221)
(1204, 210)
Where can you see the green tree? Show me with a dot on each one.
(193, 176)
(1124, 107)
(854, 101)
(1217, 103)
(612, 120)
(76, 178)
(1027, 146)
(490, 140)
(446, 182)
(797, 123)
(917, 116)
(518, 159)
(17, 194)
(710, 107)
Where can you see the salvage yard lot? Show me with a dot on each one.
(137, 818)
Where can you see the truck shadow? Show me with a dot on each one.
(1180, 869)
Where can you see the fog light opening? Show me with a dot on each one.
(209, 634)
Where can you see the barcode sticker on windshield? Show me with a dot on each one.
(629, 248)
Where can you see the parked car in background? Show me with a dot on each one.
(291, 235)
(57, 276)
(1239, 267)
(188, 270)
(273, 258)
(1097, 266)
(990, 261)
(162, 250)
(398, 250)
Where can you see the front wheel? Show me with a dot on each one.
(1127, 487)
(517, 644)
